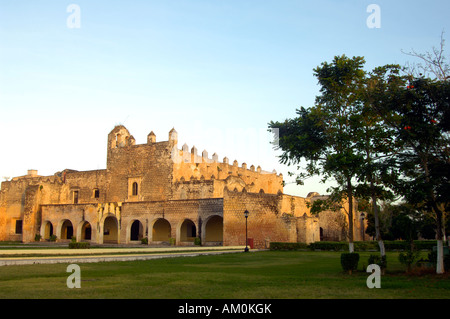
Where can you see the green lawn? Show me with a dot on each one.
(265, 274)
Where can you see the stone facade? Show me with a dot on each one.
(165, 194)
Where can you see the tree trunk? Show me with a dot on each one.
(350, 215)
(377, 225)
(440, 246)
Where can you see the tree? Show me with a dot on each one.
(419, 115)
(325, 135)
(376, 140)
(432, 63)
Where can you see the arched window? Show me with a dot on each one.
(135, 189)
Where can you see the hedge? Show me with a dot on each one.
(349, 261)
(287, 246)
(389, 245)
(78, 245)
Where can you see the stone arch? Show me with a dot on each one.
(65, 229)
(213, 230)
(187, 231)
(84, 231)
(160, 230)
(110, 229)
(135, 230)
(46, 230)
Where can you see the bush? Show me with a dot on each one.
(197, 241)
(53, 238)
(287, 246)
(37, 237)
(78, 245)
(329, 245)
(144, 241)
(432, 258)
(378, 260)
(366, 245)
(349, 261)
(408, 258)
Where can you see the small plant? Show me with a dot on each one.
(197, 241)
(53, 238)
(144, 241)
(37, 237)
(378, 260)
(77, 245)
(349, 262)
(409, 257)
(172, 241)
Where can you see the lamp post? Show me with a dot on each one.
(246, 240)
(362, 226)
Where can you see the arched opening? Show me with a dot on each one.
(135, 189)
(66, 230)
(111, 230)
(161, 230)
(86, 231)
(47, 230)
(214, 229)
(136, 230)
(188, 231)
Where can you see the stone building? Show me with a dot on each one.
(165, 194)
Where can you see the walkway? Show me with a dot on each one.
(53, 256)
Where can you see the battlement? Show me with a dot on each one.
(186, 164)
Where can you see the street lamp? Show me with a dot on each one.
(246, 240)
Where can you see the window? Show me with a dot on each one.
(96, 193)
(75, 197)
(18, 226)
(135, 189)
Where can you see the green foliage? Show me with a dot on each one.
(144, 241)
(409, 257)
(79, 245)
(53, 238)
(329, 245)
(37, 237)
(390, 245)
(379, 260)
(349, 261)
(288, 246)
(197, 241)
(432, 258)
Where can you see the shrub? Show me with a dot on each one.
(408, 258)
(287, 246)
(172, 241)
(37, 237)
(349, 261)
(78, 245)
(53, 238)
(197, 241)
(377, 259)
(432, 258)
(329, 245)
(144, 241)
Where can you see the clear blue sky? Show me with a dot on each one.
(216, 70)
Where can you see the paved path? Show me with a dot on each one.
(93, 255)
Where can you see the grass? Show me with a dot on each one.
(256, 275)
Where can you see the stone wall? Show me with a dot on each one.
(266, 221)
